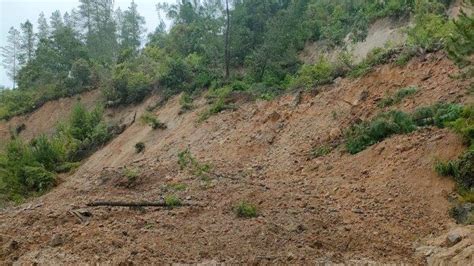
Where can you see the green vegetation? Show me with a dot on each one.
(397, 97)
(177, 186)
(246, 210)
(151, 120)
(139, 147)
(365, 134)
(260, 56)
(186, 102)
(320, 151)
(172, 202)
(218, 100)
(187, 161)
(30, 168)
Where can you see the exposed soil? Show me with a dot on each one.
(378, 205)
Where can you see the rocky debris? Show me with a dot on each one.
(56, 240)
(453, 238)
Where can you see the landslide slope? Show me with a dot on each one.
(375, 206)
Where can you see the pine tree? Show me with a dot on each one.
(10, 54)
(27, 42)
(56, 21)
(43, 27)
(132, 28)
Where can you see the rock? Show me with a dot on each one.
(453, 238)
(363, 96)
(57, 240)
(13, 245)
(357, 210)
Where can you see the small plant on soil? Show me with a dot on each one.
(187, 161)
(177, 186)
(397, 97)
(320, 151)
(186, 102)
(139, 147)
(246, 210)
(130, 174)
(172, 201)
(151, 120)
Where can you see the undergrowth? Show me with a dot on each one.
(397, 97)
(187, 161)
(151, 120)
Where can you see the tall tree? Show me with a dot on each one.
(97, 18)
(132, 28)
(56, 21)
(27, 42)
(10, 54)
(227, 34)
(43, 27)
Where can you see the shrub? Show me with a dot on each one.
(365, 134)
(172, 202)
(139, 147)
(186, 102)
(464, 125)
(187, 160)
(310, 76)
(219, 102)
(376, 57)
(431, 28)
(151, 120)
(37, 178)
(444, 168)
(246, 210)
(397, 97)
(439, 114)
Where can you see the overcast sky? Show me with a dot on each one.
(14, 12)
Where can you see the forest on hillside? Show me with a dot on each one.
(218, 46)
(211, 44)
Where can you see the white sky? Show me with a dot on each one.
(14, 12)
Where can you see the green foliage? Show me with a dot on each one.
(464, 125)
(246, 210)
(310, 76)
(376, 57)
(186, 102)
(365, 134)
(139, 147)
(172, 202)
(177, 186)
(460, 44)
(187, 161)
(445, 168)
(151, 120)
(438, 114)
(431, 28)
(27, 169)
(397, 97)
(218, 99)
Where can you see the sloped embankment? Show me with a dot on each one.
(373, 206)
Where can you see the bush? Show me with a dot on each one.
(376, 57)
(439, 114)
(151, 120)
(464, 125)
(310, 76)
(397, 97)
(139, 147)
(363, 135)
(246, 210)
(431, 28)
(172, 202)
(37, 178)
(186, 102)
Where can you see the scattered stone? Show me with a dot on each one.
(357, 210)
(57, 240)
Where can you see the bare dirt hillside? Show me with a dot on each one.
(380, 205)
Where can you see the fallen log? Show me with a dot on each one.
(126, 204)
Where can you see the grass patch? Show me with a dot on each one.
(397, 97)
(219, 102)
(320, 151)
(246, 210)
(151, 120)
(177, 186)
